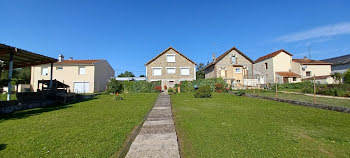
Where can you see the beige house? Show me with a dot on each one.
(233, 66)
(281, 68)
(171, 67)
(82, 76)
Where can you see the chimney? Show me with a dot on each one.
(213, 57)
(70, 58)
(60, 58)
(305, 57)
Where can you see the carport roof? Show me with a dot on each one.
(22, 58)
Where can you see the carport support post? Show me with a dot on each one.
(51, 75)
(10, 74)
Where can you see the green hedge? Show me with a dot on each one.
(188, 86)
(299, 85)
(140, 86)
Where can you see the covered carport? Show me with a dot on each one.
(13, 57)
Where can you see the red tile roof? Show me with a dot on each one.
(165, 52)
(227, 52)
(272, 55)
(287, 74)
(310, 62)
(77, 62)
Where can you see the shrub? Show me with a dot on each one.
(117, 97)
(203, 92)
(240, 92)
(114, 86)
(158, 88)
(171, 91)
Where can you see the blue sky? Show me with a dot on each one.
(130, 33)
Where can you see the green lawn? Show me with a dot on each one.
(304, 98)
(93, 128)
(231, 126)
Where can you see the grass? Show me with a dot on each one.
(232, 126)
(93, 128)
(304, 98)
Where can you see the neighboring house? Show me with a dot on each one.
(281, 68)
(83, 76)
(171, 67)
(233, 66)
(314, 69)
(339, 64)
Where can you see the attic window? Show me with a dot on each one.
(170, 58)
(233, 60)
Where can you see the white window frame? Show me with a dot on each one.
(185, 68)
(42, 71)
(156, 68)
(79, 72)
(171, 55)
(238, 68)
(233, 62)
(170, 68)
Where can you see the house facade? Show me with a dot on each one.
(171, 67)
(233, 66)
(279, 67)
(339, 64)
(82, 76)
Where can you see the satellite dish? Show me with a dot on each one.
(304, 67)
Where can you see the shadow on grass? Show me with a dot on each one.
(2, 146)
(37, 111)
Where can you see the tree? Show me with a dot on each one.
(126, 74)
(142, 76)
(337, 77)
(200, 74)
(347, 77)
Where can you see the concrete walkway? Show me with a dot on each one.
(157, 137)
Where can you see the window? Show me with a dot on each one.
(170, 70)
(308, 73)
(185, 71)
(266, 66)
(157, 71)
(238, 81)
(294, 79)
(59, 68)
(233, 60)
(44, 71)
(223, 73)
(82, 70)
(238, 70)
(170, 58)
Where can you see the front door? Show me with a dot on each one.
(285, 79)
